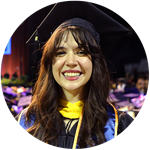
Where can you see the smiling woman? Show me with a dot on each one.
(72, 67)
(69, 107)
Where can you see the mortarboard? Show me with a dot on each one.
(111, 32)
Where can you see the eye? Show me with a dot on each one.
(81, 52)
(60, 53)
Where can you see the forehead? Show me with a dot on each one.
(68, 39)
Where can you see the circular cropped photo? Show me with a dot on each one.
(74, 74)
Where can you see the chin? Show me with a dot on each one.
(73, 88)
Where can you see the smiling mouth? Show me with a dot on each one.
(66, 74)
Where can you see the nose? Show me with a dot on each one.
(71, 60)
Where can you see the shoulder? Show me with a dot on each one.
(21, 115)
(124, 120)
(21, 118)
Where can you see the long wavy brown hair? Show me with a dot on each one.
(44, 106)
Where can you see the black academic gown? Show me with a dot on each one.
(65, 140)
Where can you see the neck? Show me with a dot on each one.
(72, 96)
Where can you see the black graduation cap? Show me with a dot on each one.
(110, 31)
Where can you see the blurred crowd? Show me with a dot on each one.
(17, 92)
(130, 84)
(128, 93)
(15, 80)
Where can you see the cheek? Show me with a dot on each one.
(57, 66)
(87, 65)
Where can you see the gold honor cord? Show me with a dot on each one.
(116, 120)
(77, 131)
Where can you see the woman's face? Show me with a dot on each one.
(72, 66)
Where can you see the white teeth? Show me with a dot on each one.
(71, 74)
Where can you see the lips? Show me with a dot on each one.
(71, 71)
(71, 74)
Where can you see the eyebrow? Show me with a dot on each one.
(62, 47)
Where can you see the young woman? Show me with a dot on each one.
(69, 107)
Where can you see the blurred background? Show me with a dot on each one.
(127, 64)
